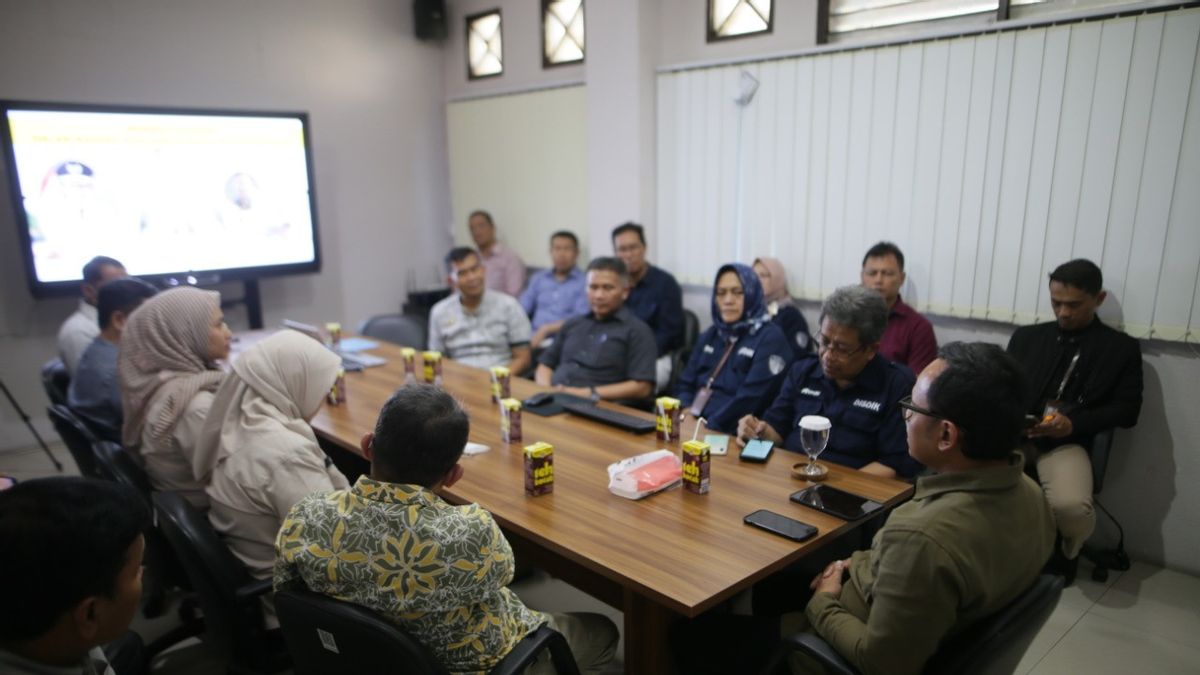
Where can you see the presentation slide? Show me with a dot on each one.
(163, 193)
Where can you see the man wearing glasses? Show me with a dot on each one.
(850, 383)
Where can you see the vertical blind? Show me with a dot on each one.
(989, 159)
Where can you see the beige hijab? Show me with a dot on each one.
(775, 289)
(263, 404)
(164, 353)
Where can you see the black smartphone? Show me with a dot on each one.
(781, 525)
(757, 451)
(835, 502)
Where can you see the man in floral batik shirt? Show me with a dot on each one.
(439, 571)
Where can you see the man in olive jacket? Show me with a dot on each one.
(974, 536)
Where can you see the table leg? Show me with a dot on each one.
(647, 649)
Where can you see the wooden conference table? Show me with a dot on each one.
(673, 554)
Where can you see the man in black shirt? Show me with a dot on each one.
(1085, 377)
(607, 353)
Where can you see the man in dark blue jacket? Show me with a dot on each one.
(851, 384)
(739, 362)
(654, 295)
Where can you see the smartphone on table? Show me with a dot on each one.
(757, 450)
(782, 525)
(835, 502)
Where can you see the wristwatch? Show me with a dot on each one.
(595, 395)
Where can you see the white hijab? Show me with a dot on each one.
(263, 404)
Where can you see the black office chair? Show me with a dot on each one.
(229, 597)
(56, 380)
(1104, 559)
(327, 635)
(78, 437)
(993, 646)
(401, 329)
(679, 358)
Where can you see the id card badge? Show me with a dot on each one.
(700, 401)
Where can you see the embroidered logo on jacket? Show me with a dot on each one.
(873, 406)
(810, 392)
(747, 352)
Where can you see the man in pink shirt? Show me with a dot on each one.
(505, 271)
(909, 338)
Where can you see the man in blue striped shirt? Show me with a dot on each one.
(556, 294)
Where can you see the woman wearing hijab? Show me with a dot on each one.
(782, 308)
(739, 362)
(167, 367)
(263, 451)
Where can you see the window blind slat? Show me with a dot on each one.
(1032, 305)
(815, 220)
(1158, 171)
(883, 138)
(862, 104)
(998, 119)
(1182, 248)
(904, 147)
(1135, 126)
(930, 138)
(939, 288)
(833, 269)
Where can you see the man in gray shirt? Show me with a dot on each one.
(607, 353)
(78, 331)
(476, 326)
(95, 394)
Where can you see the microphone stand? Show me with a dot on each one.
(25, 418)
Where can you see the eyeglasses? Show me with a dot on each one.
(837, 350)
(910, 408)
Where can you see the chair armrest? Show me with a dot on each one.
(1098, 454)
(821, 651)
(529, 648)
(253, 590)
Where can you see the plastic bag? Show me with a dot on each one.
(643, 475)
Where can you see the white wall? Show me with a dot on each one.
(376, 104)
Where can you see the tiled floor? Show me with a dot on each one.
(1144, 621)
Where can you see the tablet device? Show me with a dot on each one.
(781, 525)
(835, 502)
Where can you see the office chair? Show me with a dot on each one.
(1104, 559)
(327, 635)
(679, 358)
(993, 646)
(229, 597)
(401, 329)
(78, 437)
(56, 380)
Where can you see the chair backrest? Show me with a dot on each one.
(117, 464)
(230, 623)
(996, 645)
(1099, 451)
(400, 329)
(78, 437)
(56, 380)
(691, 332)
(327, 635)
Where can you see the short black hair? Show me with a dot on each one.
(609, 264)
(420, 434)
(457, 255)
(982, 391)
(486, 216)
(1080, 273)
(92, 270)
(630, 227)
(565, 235)
(883, 249)
(65, 539)
(121, 295)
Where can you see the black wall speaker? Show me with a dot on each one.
(429, 16)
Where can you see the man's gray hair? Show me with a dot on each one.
(860, 308)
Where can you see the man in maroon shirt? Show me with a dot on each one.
(909, 338)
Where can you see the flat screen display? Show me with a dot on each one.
(216, 195)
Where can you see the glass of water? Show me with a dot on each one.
(814, 434)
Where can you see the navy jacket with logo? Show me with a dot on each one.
(867, 422)
(746, 384)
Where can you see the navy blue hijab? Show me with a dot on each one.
(754, 311)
